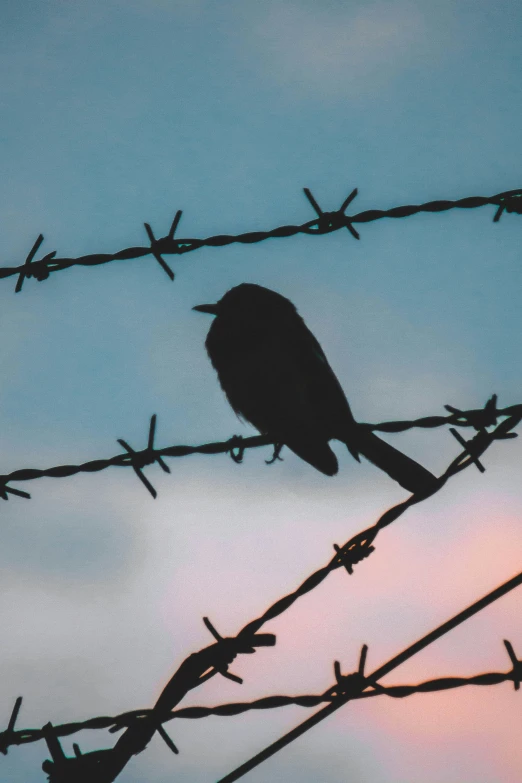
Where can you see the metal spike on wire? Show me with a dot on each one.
(155, 251)
(7, 735)
(517, 664)
(222, 667)
(138, 459)
(510, 203)
(331, 221)
(467, 445)
(38, 269)
(5, 491)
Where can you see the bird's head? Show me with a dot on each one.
(250, 303)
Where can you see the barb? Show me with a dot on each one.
(80, 768)
(138, 459)
(26, 272)
(361, 682)
(236, 446)
(511, 202)
(6, 737)
(325, 223)
(156, 252)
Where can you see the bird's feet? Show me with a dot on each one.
(278, 447)
(236, 448)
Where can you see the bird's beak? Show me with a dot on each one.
(207, 308)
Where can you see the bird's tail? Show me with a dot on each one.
(404, 470)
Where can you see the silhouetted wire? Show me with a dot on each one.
(360, 546)
(105, 765)
(215, 659)
(236, 446)
(118, 722)
(357, 682)
(324, 223)
(108, 763)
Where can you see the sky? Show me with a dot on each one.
(116, 113)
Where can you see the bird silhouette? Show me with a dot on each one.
(276, 376)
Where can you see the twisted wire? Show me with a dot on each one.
(324, 223)
(123, 720)
(236, 446)
(215, 659)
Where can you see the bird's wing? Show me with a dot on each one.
(323, 387)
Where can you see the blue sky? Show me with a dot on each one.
(118, 113)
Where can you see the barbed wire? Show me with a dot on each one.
(350, 685)
(139, 727)
(199, 667)
(324, 223)
(393, 691)
(124, 720)
(107, 764)
(480, 419)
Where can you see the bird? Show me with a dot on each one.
(276, 376)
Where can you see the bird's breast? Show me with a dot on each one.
(247, 368)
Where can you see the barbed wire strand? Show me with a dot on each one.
(324, 223)
(358, 681)
(107, 764)
(236, 446)
(199, 667)
(358, 548)
(216, 658)
(118, 722)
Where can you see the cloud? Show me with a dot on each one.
(336, 50)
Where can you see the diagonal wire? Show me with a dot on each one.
(366, 682)
(107, 764)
